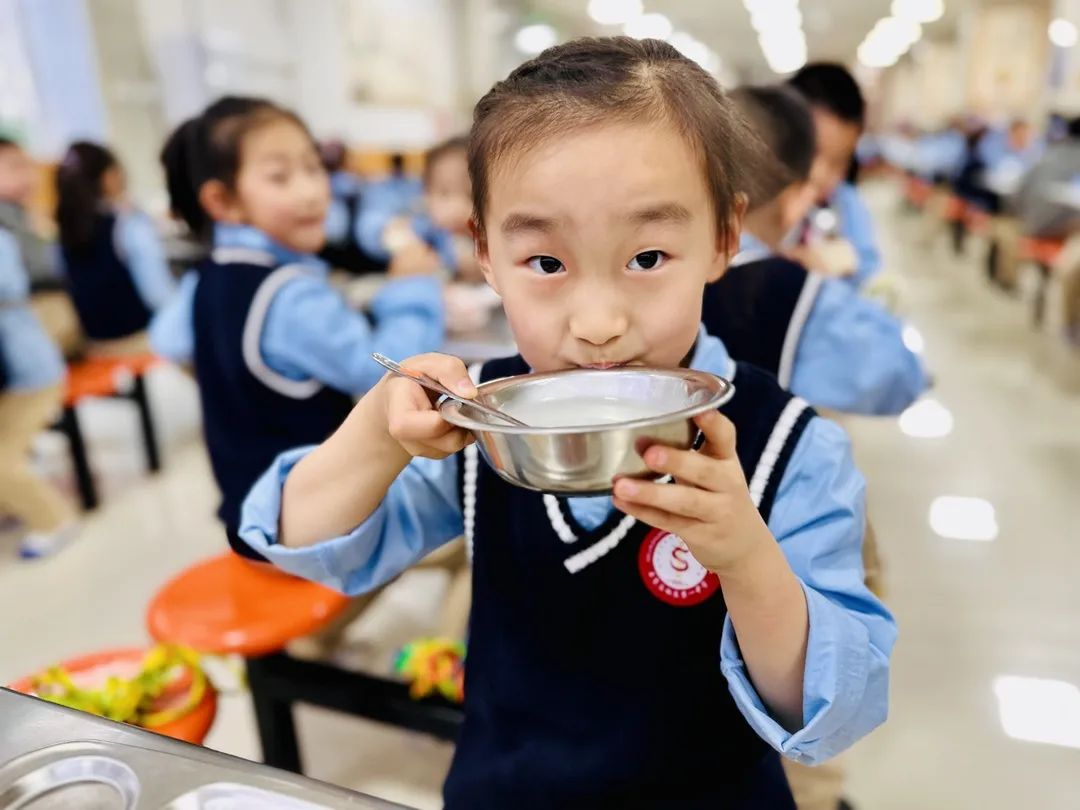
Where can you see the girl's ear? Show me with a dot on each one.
(219, 203)
(480, 246)
(728, 246)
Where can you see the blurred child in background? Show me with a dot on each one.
(342, 250)
(823, 341)
(115, 265)
(277, 352)
(31, 391)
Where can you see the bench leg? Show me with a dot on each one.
(146, 421)
(69, 424)
(1039, 313)
(274, 717)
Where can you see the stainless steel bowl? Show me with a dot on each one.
(587, 427)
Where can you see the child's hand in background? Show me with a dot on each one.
(708, 504)
(411, 418)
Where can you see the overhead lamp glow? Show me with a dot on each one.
(614, 12)
(695, 50)
(920, 11)
(960, 518)
(897, 31)
(877, 54)
(1062, 33)
(533, 39)
(1039, 710)
(774, 19)
(913, 339)
(648, 26)
(926, 419)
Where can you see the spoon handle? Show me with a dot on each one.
(423, 379)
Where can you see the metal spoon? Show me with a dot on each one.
(433, 385)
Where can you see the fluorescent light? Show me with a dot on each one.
(960, 518)
(533, 39)
(783, 18)
(694, 50)
(614, 12)
(648, 26)
(1062, 33)
(926, 419)
(897, 31)
(1039, 710)
(913, 339)
(920, 11)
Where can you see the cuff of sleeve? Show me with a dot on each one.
(834, 681)
(414, 292)
(325, 562)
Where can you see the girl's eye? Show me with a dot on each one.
(648, 260)
(547, 265)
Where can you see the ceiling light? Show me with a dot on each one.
(648, 26)
(926, 419)
(614, 12)
(533, 39)
(1062, 33)
(959, 518)
(1039, 710)
(913, 339)
(920, 11)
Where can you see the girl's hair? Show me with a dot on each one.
(79, 192)
(782, 119)
(831, 86)
(459, 143)
(208, 147)
(591, 82)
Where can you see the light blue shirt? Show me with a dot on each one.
(342, 186)
(310, 332)
(818, 519)
(31, 360)
(857, 226)
(138, 245)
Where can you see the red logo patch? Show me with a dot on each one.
(671, 573)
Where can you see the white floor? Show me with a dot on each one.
(971, 611)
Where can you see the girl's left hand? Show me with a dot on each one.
(708, 504)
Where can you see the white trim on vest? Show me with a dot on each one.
(777, 439)
(242, 255)
(471, 459)
(799, 316)
(253, 327)
(754, 254)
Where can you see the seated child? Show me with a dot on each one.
(277, 352)
(817, 335)
(656, 648)
(342, 250)
(115, 265)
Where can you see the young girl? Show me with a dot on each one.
(823, 342)
(116, 268)
(654, 648)
(31, 391)
(277, 352)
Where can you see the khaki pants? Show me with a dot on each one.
(24, 495)
(1006, 233)
(139, 343)
(1068, 268)
(61, 322)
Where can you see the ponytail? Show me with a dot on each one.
(79, 192)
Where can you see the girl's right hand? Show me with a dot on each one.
(411, 417)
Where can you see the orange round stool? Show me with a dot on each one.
(192, 727)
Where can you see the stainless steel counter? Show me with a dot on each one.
(53, 757)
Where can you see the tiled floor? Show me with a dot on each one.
(971, 611)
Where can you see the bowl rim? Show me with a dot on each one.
(722, 392)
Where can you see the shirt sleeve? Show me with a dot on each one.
(310, 331)
(172, 331)
(14, 285)
(819, 521)
(421, 511)
(851, 356)
(371, 221)
(857, 226)
(138, 243)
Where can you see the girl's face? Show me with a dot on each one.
(281, 187)
(448, 192)
(600, 243)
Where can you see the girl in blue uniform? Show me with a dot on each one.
(116, 269)
(277, 352)
(816, 334)
(659, 647)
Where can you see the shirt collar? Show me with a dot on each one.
(257, 247)
(711, 355)
(751, 249)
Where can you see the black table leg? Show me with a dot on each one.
(84, 478)
(146, 421)
(274, 716)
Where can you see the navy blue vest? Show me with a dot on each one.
(758, 309)
(348, 255)
(593, 678)
(250, 412)
(101, 286)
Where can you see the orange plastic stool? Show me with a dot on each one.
(229, 605)
(976, 220)
(192, 727)
(955, 208)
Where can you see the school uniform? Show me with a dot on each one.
(602, 668)
(120, 278)
(856, 225)
(31, 390)
(278, 353)
(823, 341)
(343, 250)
